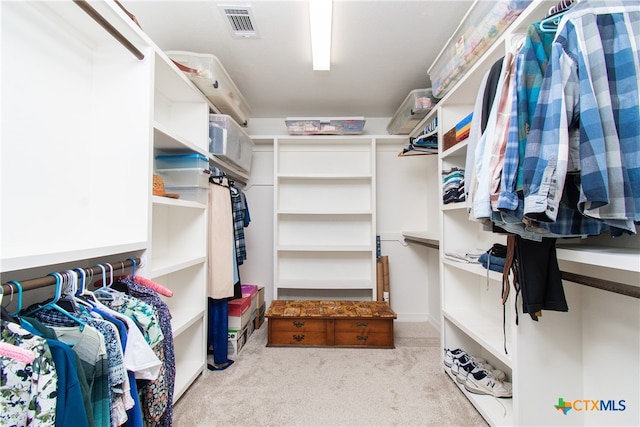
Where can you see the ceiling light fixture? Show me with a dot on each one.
(320, 12)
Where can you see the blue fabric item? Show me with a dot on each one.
(218, 330)
(492, 262)
(70, 410)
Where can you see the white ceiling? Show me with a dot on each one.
(381, 50)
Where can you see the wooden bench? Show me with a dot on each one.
(293, 323)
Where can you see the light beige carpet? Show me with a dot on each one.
(268, 386)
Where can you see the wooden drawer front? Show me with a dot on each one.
(300, 332)
(365, 333)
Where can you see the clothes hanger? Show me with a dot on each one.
(18, 287)
(53, 303)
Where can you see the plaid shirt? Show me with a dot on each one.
(592, 78)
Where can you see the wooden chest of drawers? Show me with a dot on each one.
(330, 323)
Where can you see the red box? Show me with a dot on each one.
(238, 306)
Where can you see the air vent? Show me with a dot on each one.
(240, 21)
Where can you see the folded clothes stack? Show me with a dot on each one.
(495, 258)
(453, 186)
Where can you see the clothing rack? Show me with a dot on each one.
(86, 7)
(606, 285)
(45, 281)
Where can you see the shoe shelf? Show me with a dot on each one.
(498, 410)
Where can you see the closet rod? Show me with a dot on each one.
(84, 5)
(45, 281)
(606, 285)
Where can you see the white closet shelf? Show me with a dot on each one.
(167, 141)
(285, 212)
(498, 410)
(457, 150)
(474, 268)
(482, 329)
(324, 177)
(305, 283)
(186, 321)
(453, 206)
(163, 266)
(167, 201)
(325, 248)
(424, 237)
(618, 258)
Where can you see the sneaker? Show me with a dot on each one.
(461, 368)
(482, 382)
(450, 355)
(483, 364)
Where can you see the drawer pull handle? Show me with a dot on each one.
(362, 324)
(361, 338)
(298, 324)
(298, 337)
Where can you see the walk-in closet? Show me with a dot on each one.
(203, 221)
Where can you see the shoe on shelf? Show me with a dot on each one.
(461, 368)
(497, 373)
(449, 355)
(482, 382)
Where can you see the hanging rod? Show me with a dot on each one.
(606, 285)
(42, 282)
(84, 5)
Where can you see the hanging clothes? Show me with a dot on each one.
(592, 78)
(28, 390)
(222, 273)
(151, 297)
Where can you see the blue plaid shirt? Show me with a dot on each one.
(592, 78)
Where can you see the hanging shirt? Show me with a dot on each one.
(28, 390)
(592, 77)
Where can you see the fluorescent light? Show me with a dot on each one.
(320, 12)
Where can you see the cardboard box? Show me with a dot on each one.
(239, 313)
(236, 340)
(259, 320)
(260, 300)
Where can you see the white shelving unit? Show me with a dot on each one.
(77, 157)
(178, 252)
(563, 354)
(67, 153)
(324, 224)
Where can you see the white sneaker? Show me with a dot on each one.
(482, 382)
(450, 355)
(461, 368)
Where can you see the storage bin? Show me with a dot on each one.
(192, 177)
(208, 74)
(479, 29)
(179, 161)
(413, 109)
(191, 192)
(229, 141)
(325, 126)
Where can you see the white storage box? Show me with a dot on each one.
(191, 192)
(413, 109)
(184, 177)
(208, 74)
(179, 161)
(482, 25)
(229, 141)
(325, 125)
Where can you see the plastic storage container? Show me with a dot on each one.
(481, 26)
(181, 161)
(413, 109)
(325, 126)
(208, 74)
(184, 177)
(229, 141)
(192, 193)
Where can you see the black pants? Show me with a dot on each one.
(539, 276)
